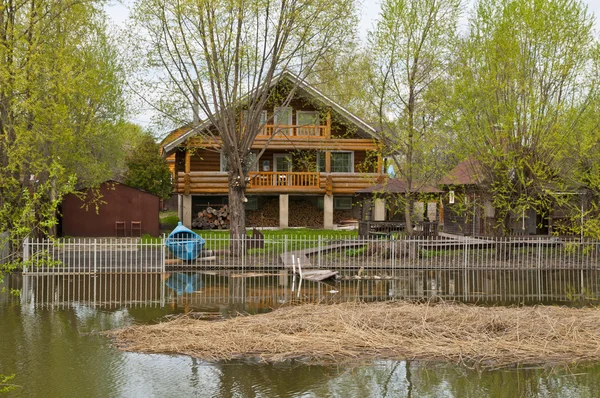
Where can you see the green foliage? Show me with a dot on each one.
(412, 47)
(61, 102)
(148, 170)
(5, 386)
(524, 93)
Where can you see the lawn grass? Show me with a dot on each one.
(168, 219)
(275, 239)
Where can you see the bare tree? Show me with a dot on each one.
(411, 46)
(225, 55)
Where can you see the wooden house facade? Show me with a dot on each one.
(315, 151)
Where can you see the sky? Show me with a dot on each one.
(117, 11)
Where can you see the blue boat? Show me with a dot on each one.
(184, 283)
(184, 243)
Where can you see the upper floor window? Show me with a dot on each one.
(308, 122)
(282, 118)
(261, 122)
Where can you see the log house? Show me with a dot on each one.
(318, 152)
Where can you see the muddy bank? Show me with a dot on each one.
(482, 337)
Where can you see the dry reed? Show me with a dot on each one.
(482, 337)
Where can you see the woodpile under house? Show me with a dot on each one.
(212, 218)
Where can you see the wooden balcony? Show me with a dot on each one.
(210, 183)
(284, 180)
(294, 131)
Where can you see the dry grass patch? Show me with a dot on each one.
(483, 337)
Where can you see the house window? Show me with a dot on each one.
(339, 203)
(321, 162)
(251, 161)
(341, 162)
(282, 117)
(308, 122)
(261, 123)
(342, 203)
(224, 165)
(252, 203)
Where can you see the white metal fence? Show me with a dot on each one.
(342, 254)
(123, 271)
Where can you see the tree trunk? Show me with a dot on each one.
(408, 215)
(237, 226)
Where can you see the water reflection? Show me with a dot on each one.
(255, 292)
(49, 339)
(60, 345)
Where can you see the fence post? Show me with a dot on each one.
(163, 254)
(393, 243)
(539, 269)
(95, 254)
(466, 272)
(25, 253)
(319, 254)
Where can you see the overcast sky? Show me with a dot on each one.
(369, 10)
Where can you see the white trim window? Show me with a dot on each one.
(250, 160)
(341, 162)
(282, 116)
(282, 162)
(342, 202)
(308, 122)
(261, 123)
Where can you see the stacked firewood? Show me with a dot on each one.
(266, 216)
(302, 213)
(212, 218)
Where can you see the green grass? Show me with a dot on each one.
(169, 219)
(275, 242)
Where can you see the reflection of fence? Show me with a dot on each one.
(238, 270)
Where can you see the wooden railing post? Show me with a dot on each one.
(328, 130)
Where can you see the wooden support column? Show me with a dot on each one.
(186, 211)
(328, 161)
(284, 201)
(379, 213)
(186, 189)
(380, 164)
(328, 131)
(328, 212)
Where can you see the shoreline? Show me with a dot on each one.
(474, 336)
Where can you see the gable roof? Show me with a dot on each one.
(302, 85)
(466, 172)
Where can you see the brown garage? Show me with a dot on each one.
(121, 211)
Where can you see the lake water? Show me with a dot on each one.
(49, 339)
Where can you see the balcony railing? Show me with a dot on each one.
(265, 179)
(303, 131)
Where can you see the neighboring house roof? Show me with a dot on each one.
(120, 183)
(466, 172)
(301, 85)
(394, 185)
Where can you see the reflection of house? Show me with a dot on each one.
(316, 153)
